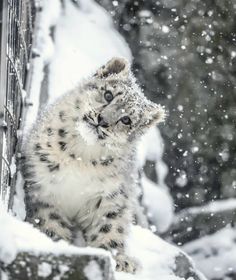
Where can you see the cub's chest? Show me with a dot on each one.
(74, 187)
(88, 179)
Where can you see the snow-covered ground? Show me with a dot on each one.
(215, 255)
(157, 258)
(17, 236)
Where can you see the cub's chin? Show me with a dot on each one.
(88, 133)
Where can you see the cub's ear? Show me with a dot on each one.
(115, 66)
(155, 114)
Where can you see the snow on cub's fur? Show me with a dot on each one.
(79, 161)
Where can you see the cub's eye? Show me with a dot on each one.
(108, 96)
(126, 120)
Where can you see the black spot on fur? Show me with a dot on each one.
(49, 131)
(106, 228)
(49, 145)
(21, 157)
(62, 145)
(50, 233)
(120, 211)
(113, 244)
(112, 215)
(107, 161)
(98, 203)
(43, 157)
(93, 237)
(119, 191)
(62, 133)
(72, 156)
(101, 136)
(77, 104)
(120, 229)
(64, 224)
(40, 204)
(30, 212)
(54, 216)
(94, 162)
(122, 191)
(103, 247)
(124, 194)
(91, 86)
(30, 183)
(37, 147)
(113, 194)
(33, 207)
(85, 118)
(53, 167)
(28, 170)
(62, 116)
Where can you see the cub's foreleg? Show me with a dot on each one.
(109, 228)
(45, 216)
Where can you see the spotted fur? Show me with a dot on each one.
(80, 161)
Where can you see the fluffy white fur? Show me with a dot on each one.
(79, 161)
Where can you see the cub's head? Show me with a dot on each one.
(114, 110)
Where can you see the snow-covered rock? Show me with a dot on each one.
(84, 40)
(158, 259)
(215, 255)
(196, 222)
(156, 195)
(26, 253)
(24, 250)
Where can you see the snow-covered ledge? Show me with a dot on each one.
(26, 253)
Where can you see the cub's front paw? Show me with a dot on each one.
(126, 264)
(56, 231)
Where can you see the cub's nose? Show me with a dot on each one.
(102, 122)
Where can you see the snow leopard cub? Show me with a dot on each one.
(79, 161)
